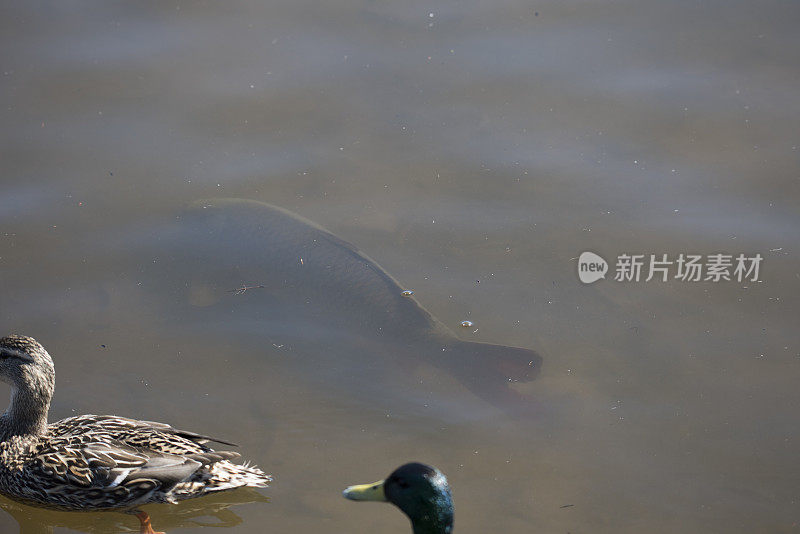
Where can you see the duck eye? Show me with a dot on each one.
(6, 354)
(402, 483)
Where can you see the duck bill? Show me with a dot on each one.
(366, 492)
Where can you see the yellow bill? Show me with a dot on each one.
(366, 492)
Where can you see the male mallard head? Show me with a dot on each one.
(419, 490)
(28, 369)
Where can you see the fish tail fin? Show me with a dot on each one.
(488, 370)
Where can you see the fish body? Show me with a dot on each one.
(300, 281)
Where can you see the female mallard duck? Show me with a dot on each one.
(98, 462)
(419, 490)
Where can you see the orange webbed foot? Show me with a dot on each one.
(146, 527)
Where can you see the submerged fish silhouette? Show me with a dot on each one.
(298, 267)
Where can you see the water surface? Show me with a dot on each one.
(474, 150)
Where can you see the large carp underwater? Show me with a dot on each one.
(256, 271)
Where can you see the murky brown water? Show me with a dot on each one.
(474, 151)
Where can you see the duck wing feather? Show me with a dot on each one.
(160, 436)
(110, 474)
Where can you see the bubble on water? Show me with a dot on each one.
(467, 324)
(407, 293)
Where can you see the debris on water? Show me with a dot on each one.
(407, 293)
(466, 324)
(566, 506)
(240, 290)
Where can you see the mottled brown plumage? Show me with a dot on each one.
(98, 462)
